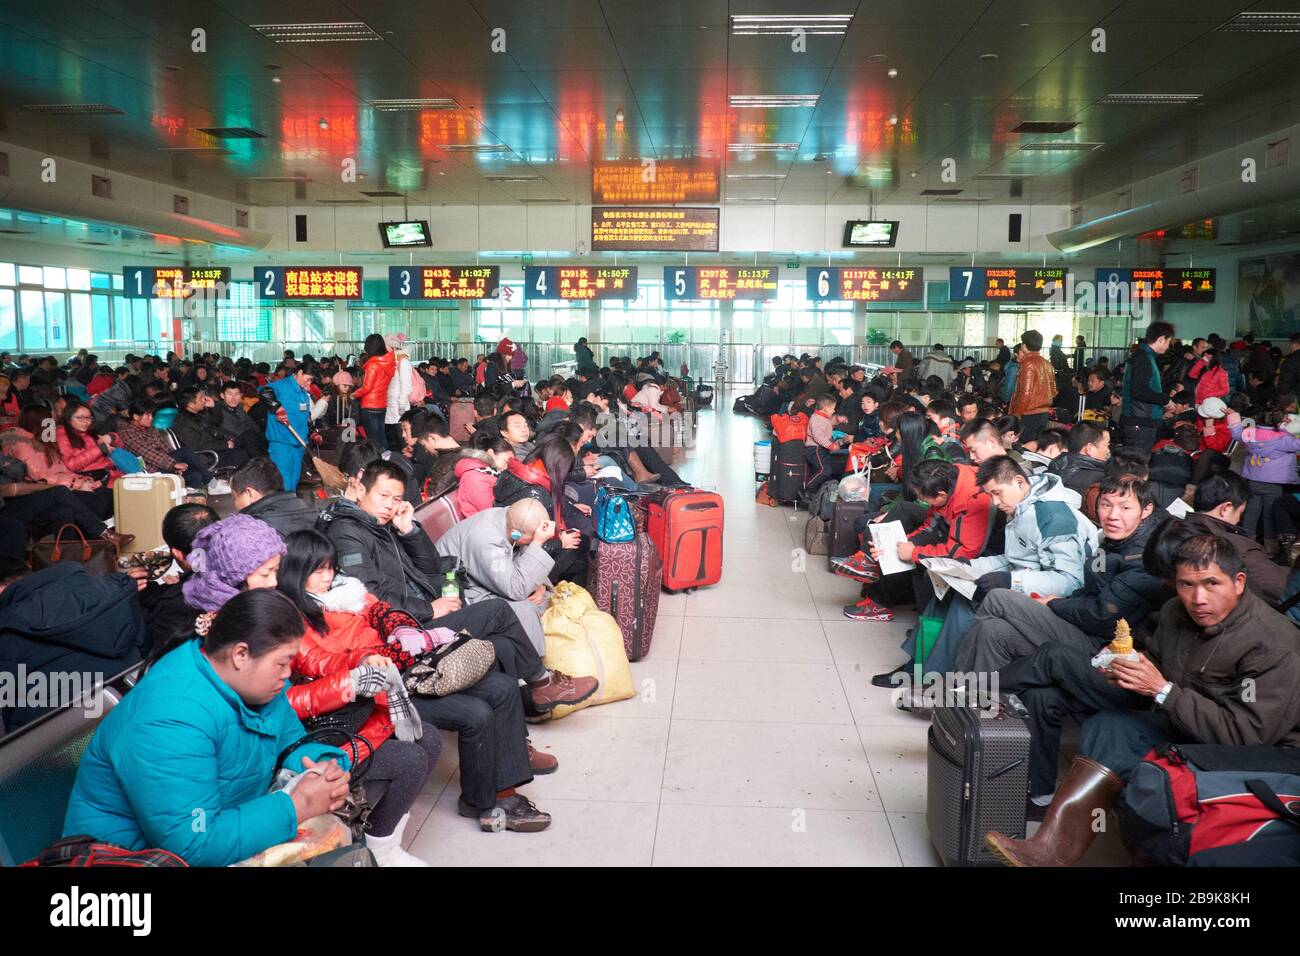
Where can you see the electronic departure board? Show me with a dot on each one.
(443, 282)
(1159, 285)
(579, 282)
(654, 229)
(979, 283)
(866, 284)
(147, 282)
(720, 282)
(657, 182)
(307, 282)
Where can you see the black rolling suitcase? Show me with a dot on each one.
(785, 480)
(844, 540)
(978, 781)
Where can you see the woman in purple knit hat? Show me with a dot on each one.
(239, 553)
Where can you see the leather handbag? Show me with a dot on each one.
(451, 668)
(97, 554)
(614, 522)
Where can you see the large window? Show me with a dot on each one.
(240, 318)
(792, 319)
(56, 309)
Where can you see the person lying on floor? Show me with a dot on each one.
(1214, 640)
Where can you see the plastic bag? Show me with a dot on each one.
(584, 641)
(320, 834)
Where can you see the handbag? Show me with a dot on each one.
(355, 811)
(614, 521)
(97, 554)
(451, 668)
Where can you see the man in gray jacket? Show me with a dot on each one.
(501, 551)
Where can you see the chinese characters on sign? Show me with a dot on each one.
(147, 282)
(579, 282)
(663, 181)
(686, 229)
(307, 282)
(719, 282)
(865, 284)
(967, 283)
(443, 282)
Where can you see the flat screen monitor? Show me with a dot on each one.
(870, 233)
(400, 235)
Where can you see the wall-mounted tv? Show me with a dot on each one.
(400, 235)
(870, 233)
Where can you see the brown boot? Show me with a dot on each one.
(640, 473)
(1067, 828)
(541, 763)
(560, 688)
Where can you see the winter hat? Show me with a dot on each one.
(342, 378)
(1212, 408)
(1291, 425)
(223, 555)
(395, 340)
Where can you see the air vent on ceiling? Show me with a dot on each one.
(760, 147)
(381, 194)
(755, 177)
(1263, 23)
(4, 164)
(101, 186)
(278, 179)
(963, 200)
(748, 25)
(992, 177)
(343, 202)
(1060, 147)
(1277, 153)
(241, 218)
(762, 199)
(231, 132)
(316, 32)
(195, 150)
(555, 201)
(421, 105)
(1190, 180)
(777, 101)
(181, 205)
(1149, 99)
(1045, 126)
(476, 148)
(940, 192)
(73, 109)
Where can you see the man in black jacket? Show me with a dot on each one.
(196, 430)
(1085, 463)
(259, 493)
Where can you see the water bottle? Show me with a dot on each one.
(450, 588)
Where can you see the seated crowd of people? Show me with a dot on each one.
(1073, 498)
(285, 609)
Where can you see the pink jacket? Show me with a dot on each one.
(21, 445)
(477, 482)
(1212, 383)
(88, 458)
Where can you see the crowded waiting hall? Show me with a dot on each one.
(857, 436)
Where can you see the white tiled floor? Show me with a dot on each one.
(756, 737)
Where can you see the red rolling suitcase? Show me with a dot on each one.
(624, 580)
(686, 528)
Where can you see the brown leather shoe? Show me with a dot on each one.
(119, 541)
(542, 763)
(560, 688)
(1067, 828)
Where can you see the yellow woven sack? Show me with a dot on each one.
(584, 641)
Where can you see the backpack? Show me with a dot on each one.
(1209, 805)
(790, 427)
(822, 504)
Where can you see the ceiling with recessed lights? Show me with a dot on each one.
(877, 96)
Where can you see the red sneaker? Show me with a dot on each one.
(857, 566)
(868, 610)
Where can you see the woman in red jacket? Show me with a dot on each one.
(477, 470)
(1210, 376)
(81, 449)
(344, 664)
(377, 370)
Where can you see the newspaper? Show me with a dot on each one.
(1179, 508)
(885, 536)
(947, 573)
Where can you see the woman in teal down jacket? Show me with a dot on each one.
(184, 762)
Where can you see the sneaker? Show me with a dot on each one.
(515, 812)
(542, 763)
(218, 487)
(868, 610)
(857, 566)
(560, 688)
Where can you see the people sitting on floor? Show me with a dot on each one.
(1186, 685)
(820, 444)
(1084, 464)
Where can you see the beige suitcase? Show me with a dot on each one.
(140, 502)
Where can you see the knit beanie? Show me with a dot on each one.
(223, 555)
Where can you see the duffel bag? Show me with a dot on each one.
(790, 427)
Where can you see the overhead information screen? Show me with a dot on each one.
(657, 182)
(866, 284)
(443, 282)
(1158, 285)
(719, 282)
(307, 282)
(654, 229)
(147, 282)
(981, 283)
(579, 282)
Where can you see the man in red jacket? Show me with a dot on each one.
(957, 526)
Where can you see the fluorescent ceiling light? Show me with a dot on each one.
(748, 25)
(513, 179)
(1262, 22)
(1045, 126)
(316, 32)
(400, 105)
(751, 199)
(1069, 147)
(772, 100)
(1128, 99)
(72, 109)
(231, 132)
(760, 147)
(477, 148)
(755, 177)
